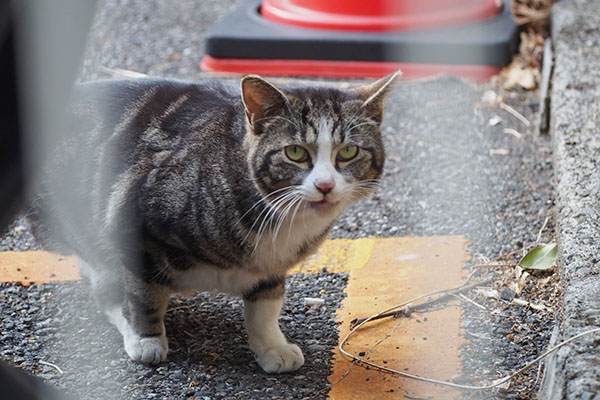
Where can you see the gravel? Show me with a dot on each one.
(448, 172)
(18, 237)
(58, 323)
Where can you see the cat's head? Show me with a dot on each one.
(317, 149)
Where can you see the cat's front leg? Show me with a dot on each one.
(262, 305)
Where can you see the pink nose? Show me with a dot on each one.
(325, 186)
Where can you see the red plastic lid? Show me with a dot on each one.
(341, 69)
(378, 15)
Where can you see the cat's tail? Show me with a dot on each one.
(45, 231)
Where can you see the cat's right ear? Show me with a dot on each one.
(376, 92)
(261, 100)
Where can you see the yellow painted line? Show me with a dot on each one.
(383, 272)
(398, 270)
(338, 255)
(29, 267)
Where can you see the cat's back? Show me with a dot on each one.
(141, 124)
(128, 102)
(123, 136)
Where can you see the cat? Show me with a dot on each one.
(163, 186)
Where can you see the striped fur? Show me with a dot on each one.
(165, 186)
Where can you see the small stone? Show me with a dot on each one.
(507, 294)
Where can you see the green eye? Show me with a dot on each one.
(296, 153)
(347, 153)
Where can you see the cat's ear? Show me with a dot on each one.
(374, 93)
(261, 100)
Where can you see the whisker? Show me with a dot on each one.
(263, 200)
(361, 124)
(351, 120)
(268, 218)
(267, 208)
(298, 204)
(347, 132)
(275, 220)
(284, 215)
(274, 207)
(304, 214)
(361, 185)
(358, 190)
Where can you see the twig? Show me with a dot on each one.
(465, 298)
(354, 362)
(494, 384)
(539, 236)
(56, 367)
(515, 113)
(489, 293)
(493, 294)
(524, 248)
(490, 263)
(494, 265)
(446, 294)
(513, 132)
(525, 303)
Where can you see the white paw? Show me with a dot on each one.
(147, 350)
(278, 359)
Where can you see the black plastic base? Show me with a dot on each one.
(243, 34)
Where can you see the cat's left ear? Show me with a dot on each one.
(261, 100)
(375, 92)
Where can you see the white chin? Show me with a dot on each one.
(324, 206)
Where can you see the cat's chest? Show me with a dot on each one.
(273, 253)
(280, 249)
(208, 278)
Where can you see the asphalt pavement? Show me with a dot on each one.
(458, 163)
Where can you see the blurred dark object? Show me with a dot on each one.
(11, 167)
(19, 385)
(41, 43)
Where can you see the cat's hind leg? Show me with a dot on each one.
(141, 320)
(262, 306)
(136, 308)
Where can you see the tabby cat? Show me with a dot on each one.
(165, 186)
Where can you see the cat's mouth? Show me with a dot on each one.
(324, 205)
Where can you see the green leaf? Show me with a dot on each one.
(542, 257)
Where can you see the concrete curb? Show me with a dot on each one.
(573, 372)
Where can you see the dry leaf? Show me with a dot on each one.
(517, 75)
